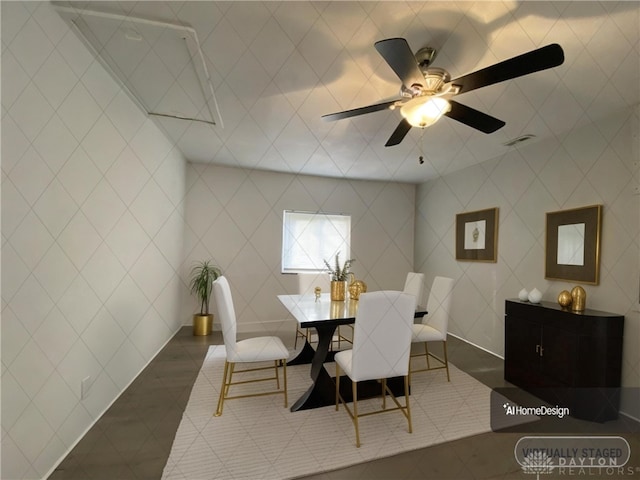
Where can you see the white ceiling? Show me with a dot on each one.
(276, 67)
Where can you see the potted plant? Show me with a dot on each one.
(203, 274)
(339, 277)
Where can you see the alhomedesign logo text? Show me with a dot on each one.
(540, 411)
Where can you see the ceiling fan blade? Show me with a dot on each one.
(398, 55)
(533, 61)
(399, 133)
(358, 111)
(474, 118)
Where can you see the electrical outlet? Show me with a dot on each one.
(85, 386)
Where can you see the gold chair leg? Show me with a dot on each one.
(224, 389)
(275, 367)
(446, 360)
(426, 354)
(384, 393)
(232, 367)
(337, 387)
(406, 400)
(355, 411)
(227, 381)
(284, 373)
(299, 333)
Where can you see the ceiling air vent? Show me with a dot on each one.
(517, 140)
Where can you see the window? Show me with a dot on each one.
(309, 238)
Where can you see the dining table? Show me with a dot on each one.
(324, 315)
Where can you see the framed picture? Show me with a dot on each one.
(572, 247)
(477, 235)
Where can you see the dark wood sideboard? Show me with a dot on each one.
(565, 358)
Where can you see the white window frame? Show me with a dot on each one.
(308, 238)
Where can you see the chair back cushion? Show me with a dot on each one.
(307, 283)
(382, 335)
(414, 285)
(226, 313)
(439, 304)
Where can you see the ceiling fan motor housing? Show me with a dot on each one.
(435, 80)
(425, 57)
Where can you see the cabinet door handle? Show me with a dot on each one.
(541, 351)
(538, 348)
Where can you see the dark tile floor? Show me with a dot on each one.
(133, 438)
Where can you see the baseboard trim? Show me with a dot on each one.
(476, 345)
(254, 327)
(91, 425)
(629, 416)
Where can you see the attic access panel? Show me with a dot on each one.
(159, 64)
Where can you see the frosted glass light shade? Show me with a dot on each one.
(423, 113)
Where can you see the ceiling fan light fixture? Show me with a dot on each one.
(423, 113)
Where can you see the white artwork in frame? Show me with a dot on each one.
(475, 235)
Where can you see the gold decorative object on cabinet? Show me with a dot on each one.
(356, 287)
(338, 290)
(564, 298)
(317, 291)
(578, 299)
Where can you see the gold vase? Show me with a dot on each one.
(202, 324)
(578, 299)
(338, 291)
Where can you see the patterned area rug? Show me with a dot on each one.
(257, 438)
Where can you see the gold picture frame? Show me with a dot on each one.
(477, 235)
(572, 246)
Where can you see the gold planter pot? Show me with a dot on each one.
(338, 291)
(202, 324)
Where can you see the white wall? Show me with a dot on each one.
(593, 164)
(234, 217)
(91, 239)
(93, 200)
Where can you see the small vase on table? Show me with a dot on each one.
(339, 276)
(338, 290)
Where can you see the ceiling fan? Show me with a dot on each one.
(426, 91)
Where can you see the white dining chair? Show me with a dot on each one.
(414, 285)
(381, 349)
(256, 350)
(307, 283)
(434, 325)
